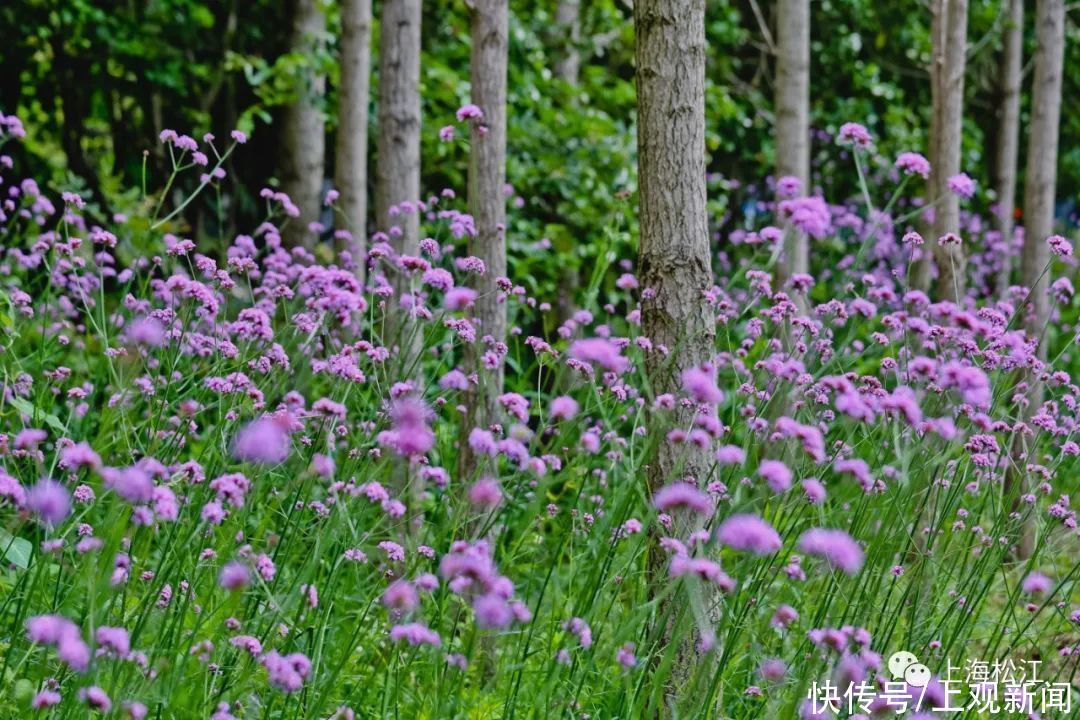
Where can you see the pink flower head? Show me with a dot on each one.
(854, 135)
(962, 186)
(601, 352)
(837, 548)
(469, 112)
(911, 163)
(1059, 246)
(50, 501)
(749, 533)
(1036, 584)
(700, 384)
(564, 407)
(683, 496)
(263, 441)
(776, 475)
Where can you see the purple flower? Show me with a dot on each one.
(1059, 246)
(50, 501)
(459, 298)
(773, 670)
(45, 699)
(469, 112)
(731, 455)
(486, 493)
(854, 135)
(835, 546)
(492, 611)
(113, 639)
(287, 672)
(96, 698)
(962, 186)
(809, 214)
(564, 407)
(601, 352)
(683, 495)
(700, 384)
(776, 475)
(1036, 584)
(788, 187)
(235, 576)
(625, 656)
(749, 533)
(911, 163)
(415, 634)
(263, 441)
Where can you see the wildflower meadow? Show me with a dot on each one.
(795, 445)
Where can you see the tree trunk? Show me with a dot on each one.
(487, 204)
(1040, 186)
(946, 133)
(1008, 135)
(398, 162)
(567, 68)
(674, 254)
(303, 131)
(350, 163)
(397, 169)
(568, 25)
(1040, 182)
(793, 123)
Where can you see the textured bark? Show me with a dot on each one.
(350, 164)
(397, 170)
(567, 68)
(946, 132)
(1040, 186)
(568, 25)
(1008, 134)
(1040, 182)
(303, 128)
(673, 257)
(487, 204)
(793, 122)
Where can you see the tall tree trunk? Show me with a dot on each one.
(397, 168)
(487, 204)
(567, 69)
(674, 255)
(350, 164)
(1008, 135)
(398, 152)
(793, 122)
(946, 133)
(1040, 182)
(568, 25)
(1040, 186)
(303, 131)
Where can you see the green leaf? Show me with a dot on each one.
(24, 407)
(17, 551)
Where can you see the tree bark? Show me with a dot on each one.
(568, 69)
(793, 123)
(398, 161)
(303, 128)
(674, 255)
(946, 133)
(1040, 187)
(1040, 182)
(1008, 135)
(568, 25)
(350, 165)
(487, 204)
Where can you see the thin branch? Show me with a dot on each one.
(764, 26)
